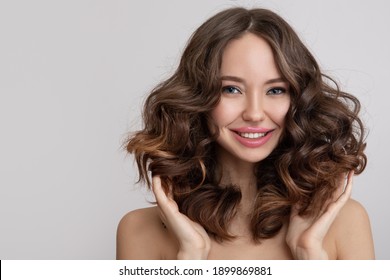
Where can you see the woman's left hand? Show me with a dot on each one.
(305, 235)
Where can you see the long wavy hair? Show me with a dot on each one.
(323, 137)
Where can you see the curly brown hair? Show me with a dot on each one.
(323, 137)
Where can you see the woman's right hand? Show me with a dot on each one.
(194, 242)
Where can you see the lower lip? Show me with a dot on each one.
(253, 142)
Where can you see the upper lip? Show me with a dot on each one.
(251, 129)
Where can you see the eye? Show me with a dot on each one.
(230, 90)
(276, 91)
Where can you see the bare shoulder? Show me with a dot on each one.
(353, 236)
(141, 235)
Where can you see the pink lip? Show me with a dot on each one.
(251, 129)
(251, 142)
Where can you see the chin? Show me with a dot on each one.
(252, 157)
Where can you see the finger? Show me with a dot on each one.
(347, 188)
(334, 208)
(160, 195)
(343, 188)
(170, 192)
(341, 183)
(343, 198)
(294, 211)
(167, 205)
(158, 190)
(345, 181)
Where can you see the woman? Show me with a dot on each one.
(252, 151)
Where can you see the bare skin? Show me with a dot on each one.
(342, 232)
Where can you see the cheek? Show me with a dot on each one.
(213, 121)
(279, 112)
(217, 115)
(224, 113)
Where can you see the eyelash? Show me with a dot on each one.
(279, 89)
(230, 89)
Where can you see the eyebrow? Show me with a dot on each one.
(240, 80)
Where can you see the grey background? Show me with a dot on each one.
(73, 75)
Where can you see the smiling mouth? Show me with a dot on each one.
(251, 135)
(253, 139)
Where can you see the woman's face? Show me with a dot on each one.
(254, 101)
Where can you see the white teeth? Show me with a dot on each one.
(252, 135)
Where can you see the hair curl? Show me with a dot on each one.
(323, 137)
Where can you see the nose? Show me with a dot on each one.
(254, 110)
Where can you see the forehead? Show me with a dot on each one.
(248, 54)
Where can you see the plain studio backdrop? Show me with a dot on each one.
(73, 76)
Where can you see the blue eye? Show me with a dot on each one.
(276, 91)
(230, 90)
